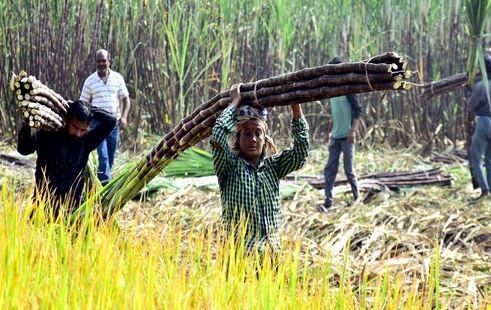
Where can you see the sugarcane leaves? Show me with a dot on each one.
(178, 33)
(477, 13)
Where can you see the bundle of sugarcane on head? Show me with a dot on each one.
(41, 107)
(383, 72)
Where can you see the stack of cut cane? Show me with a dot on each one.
(41, 107)
(383, 72)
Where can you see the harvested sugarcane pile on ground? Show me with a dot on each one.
(41, 107)
(390, 180)
(450, 157)
(383, 72)
(445, 85)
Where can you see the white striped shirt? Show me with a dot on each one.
(105, 95)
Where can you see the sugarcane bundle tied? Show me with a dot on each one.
(384, 72)
(41, 107)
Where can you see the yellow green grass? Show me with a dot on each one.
(48, 264)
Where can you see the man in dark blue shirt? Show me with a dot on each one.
(481, 139)
(62, 156)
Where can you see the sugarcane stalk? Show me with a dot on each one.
(134, 185)
(38, 109)
(46, 116)
(207, 123)
(283, 99)
(45, 101)
(131, 184)
(301, 95)
(32, 82)
(311, 73)
(445, 85)
(43, 122)
(44, 92)
(305, 91)
(323, 81)
(386, 58)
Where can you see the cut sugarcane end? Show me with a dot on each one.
(12, 81)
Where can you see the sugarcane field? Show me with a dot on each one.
(245, 154)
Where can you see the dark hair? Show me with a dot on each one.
(487, 62)
(336, 60)
(81, 110)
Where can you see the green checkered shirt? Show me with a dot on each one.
(253, 194)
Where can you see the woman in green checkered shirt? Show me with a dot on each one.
(249, 181)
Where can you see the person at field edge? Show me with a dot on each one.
(62, 156)
(107, 90)
(481, 139)
(345, 112)
(248, 180)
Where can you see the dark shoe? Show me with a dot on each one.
(323, 208)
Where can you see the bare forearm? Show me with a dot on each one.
(235, 103)
(235, 95)
(355, 124)
(125, 107)
(297, 111)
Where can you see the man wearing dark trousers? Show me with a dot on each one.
(345, 113)
(481, 139)
(62, 156)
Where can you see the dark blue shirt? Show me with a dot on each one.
(478, 102)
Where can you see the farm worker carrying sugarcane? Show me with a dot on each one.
(481, 139)
(62, 155)
(345, 112)
(248, 180)
(107, 90)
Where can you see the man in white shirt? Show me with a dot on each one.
(107, 90)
